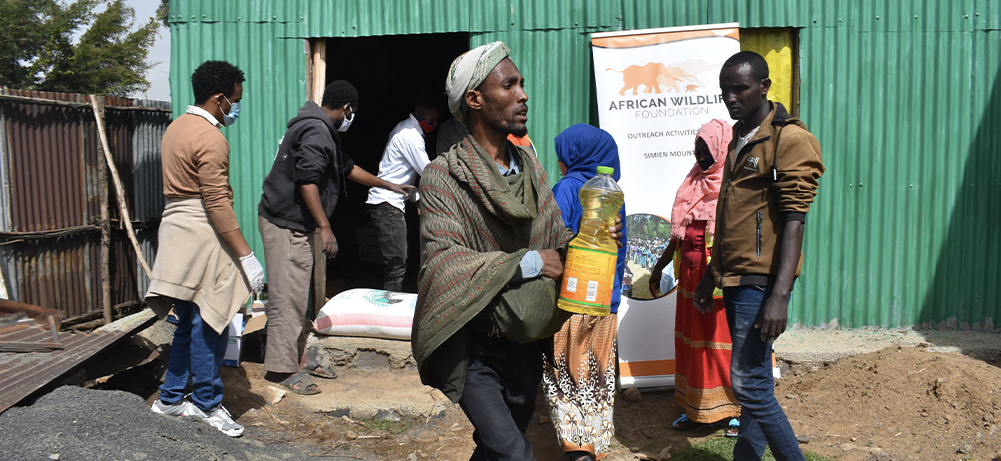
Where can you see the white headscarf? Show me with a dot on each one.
(468, 71)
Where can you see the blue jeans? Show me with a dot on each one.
(196, 352)
(761, 418)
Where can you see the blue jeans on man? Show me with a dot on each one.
(762, 421)
(196, 352)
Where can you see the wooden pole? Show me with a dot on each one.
(122, 206)
(102, 173)
(318, 71)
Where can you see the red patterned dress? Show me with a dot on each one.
(701, 341)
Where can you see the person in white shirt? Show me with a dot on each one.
(402, 162)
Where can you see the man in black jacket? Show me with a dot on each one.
(300, 194)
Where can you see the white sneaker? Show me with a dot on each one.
(218, 418)
(181, 408)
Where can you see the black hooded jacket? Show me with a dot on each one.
(310, 153)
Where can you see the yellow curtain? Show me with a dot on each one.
(775, 44)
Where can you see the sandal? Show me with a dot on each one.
(684, 424)
(732, 429)
(301, 384)
(314, 368)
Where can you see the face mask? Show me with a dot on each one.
(234, 113)
(427, 127)
(346, 123)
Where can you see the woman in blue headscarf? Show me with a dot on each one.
(583, 362)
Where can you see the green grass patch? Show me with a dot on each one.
(385, 425)
(721, 449)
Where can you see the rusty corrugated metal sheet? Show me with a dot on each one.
(53, 169)
(5, 223)
(57, 273)
(149, 127)
(53, 186)
(47, 153)
(119, 129)
(147, 176)
(24, 373)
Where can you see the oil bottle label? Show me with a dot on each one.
(588, 279)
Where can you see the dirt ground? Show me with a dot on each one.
(897, 403)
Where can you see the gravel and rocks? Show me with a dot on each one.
(75, 423)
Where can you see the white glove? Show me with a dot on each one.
(255, 273)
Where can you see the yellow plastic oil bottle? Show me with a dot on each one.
(589, 272)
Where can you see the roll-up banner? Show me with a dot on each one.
(655, 89)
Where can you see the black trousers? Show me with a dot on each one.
(502, 381)
(392, 242)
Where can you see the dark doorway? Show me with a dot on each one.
(388, 71)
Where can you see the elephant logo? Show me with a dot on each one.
(649, 75)
(675, 78)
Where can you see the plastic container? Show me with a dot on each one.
(589, 273)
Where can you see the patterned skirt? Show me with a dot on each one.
(580, 388)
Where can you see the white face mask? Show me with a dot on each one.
(346, 123)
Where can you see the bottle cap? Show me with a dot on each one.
(605, 170)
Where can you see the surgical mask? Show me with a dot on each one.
(346, 123)
(427, 127)
(234, 113)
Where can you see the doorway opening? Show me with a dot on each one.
(387, 71)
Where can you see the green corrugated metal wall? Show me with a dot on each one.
(903, 95)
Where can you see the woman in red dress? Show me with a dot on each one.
(702, 341)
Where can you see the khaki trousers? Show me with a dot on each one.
(288, 259)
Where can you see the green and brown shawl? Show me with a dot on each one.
(475, 227)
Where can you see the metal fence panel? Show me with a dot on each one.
(51, 161)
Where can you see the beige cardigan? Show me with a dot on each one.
(195, 264)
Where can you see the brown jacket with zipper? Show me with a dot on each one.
(762, 189)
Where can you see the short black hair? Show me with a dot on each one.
(214, 77)
(430, 99)
(338, 93)
(759, 67)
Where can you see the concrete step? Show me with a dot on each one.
(360, 362)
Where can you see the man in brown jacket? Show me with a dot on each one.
(769, 181)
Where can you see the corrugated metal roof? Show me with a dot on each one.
(350, 18)
(357, 18)
(915, 16)
(596, 14)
